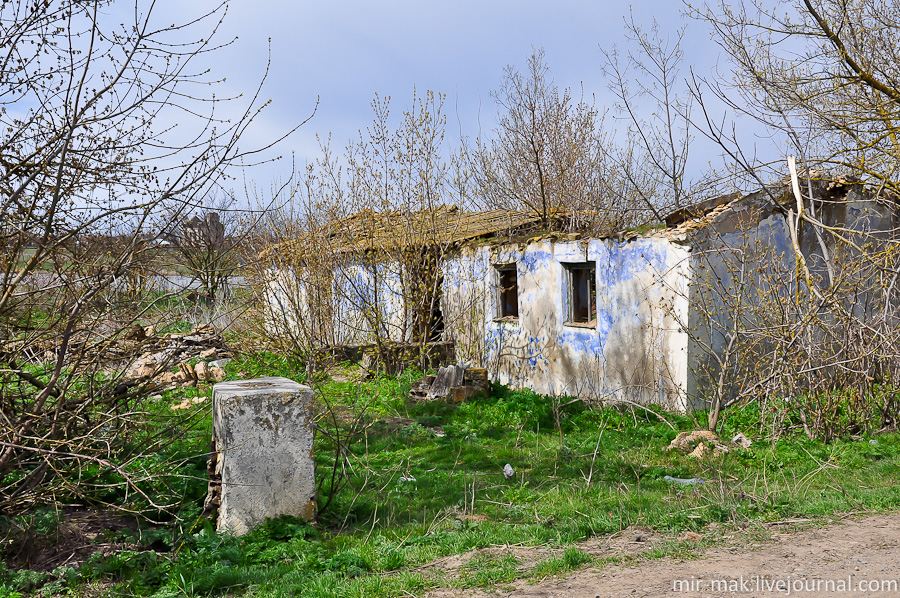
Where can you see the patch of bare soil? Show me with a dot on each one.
(632, 541)
(857, 557)
(81, 532)
(525, 556)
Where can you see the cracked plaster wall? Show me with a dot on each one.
(635, 350)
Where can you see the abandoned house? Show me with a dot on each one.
(639, 317)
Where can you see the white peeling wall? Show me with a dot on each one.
(363, 299)
(635, 351)
(369, 298)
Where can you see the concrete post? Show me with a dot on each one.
(263, 430)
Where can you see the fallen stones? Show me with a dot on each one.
(149, 364)
(188, 403)
(146, 371)
(201, 371)
(161, 352)
(742, 441)
(186, 372)
(453, 383)
(702, 450)
(688, 440)
(168, 378)
(188, 375)
(703, 443)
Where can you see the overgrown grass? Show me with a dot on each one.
(578, 472)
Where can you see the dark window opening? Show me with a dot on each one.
(582, 293)
(436, 317)
(509, 292)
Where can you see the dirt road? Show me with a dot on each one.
(856, 557)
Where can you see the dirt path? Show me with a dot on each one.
(857, 557)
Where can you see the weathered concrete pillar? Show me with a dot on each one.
(263, 430)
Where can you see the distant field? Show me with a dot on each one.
(163, 261)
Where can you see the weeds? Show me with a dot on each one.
(412, 483)
(571, 559)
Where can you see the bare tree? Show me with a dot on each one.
(358, 255)
(652, 159)
(208, 249)
(822, 78)
(823, 75)
(547, 155)
(102, 132)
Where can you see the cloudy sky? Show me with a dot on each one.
(345, 51)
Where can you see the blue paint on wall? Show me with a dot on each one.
(586, 341)
(630, 258)
(535, 260)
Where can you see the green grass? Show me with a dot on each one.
(593, 472)
(571, 559)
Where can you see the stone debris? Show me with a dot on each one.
(186, 372)
(149, 364)
(703, 443)
(695, 443)
(160, 353)
(702, 450)
(188, 403)
(742, 441)
(686, 441)
(201, 371)
(683, 481)
(168, 378)
(146, 371)
(453, 383)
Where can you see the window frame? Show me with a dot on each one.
(574, 310)
(503, 271)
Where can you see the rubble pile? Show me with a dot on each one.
(159, 354)
(454, 383)
(703, 443)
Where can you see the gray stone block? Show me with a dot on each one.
(263, 430)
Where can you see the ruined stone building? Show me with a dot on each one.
(640, 316)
